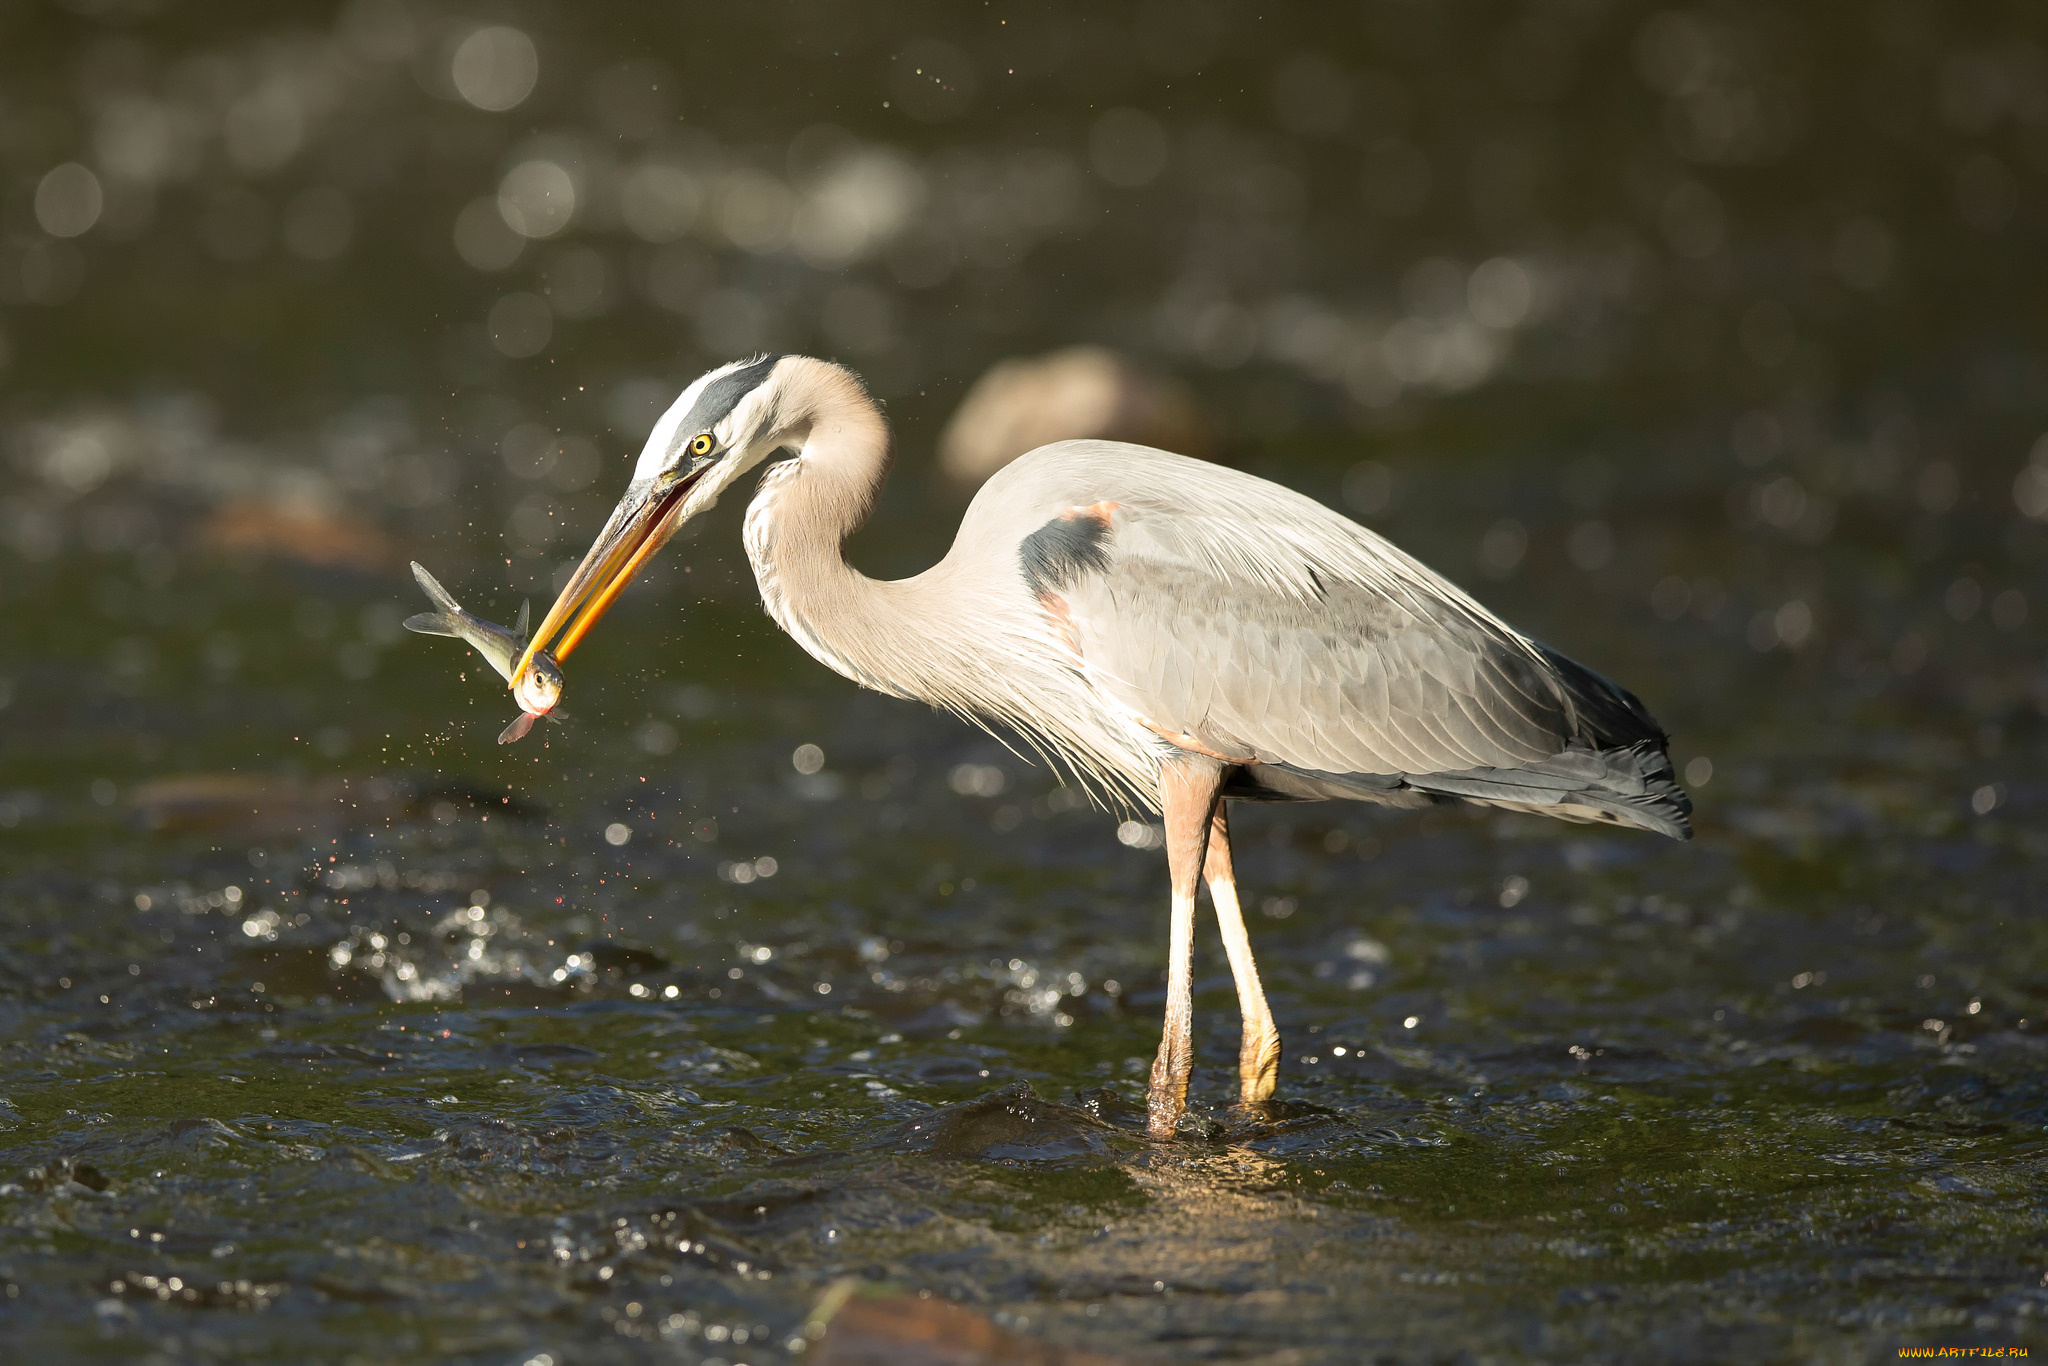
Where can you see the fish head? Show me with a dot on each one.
(539, 688)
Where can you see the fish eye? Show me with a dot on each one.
(540, 688)
(701, 444)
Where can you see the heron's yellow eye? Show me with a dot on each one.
(701, 444)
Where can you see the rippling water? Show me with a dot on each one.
(576, 1047)
(1704, 346)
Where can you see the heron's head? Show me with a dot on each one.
(723, 425)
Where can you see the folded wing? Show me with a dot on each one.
(1329, 664)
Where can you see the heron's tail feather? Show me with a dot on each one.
(1624, 785)
(1633, 785)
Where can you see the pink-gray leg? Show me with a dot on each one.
(1258, 1050)
(1189, 785)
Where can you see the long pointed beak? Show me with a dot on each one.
(639, 526)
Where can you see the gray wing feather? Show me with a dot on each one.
(1281, 635)
(1360, 680)
(1321, 685)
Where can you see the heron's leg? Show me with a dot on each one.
(1258, 1051)
(1188, 785)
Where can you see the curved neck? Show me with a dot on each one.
(799, 521)
(966, 635)
(844, 451)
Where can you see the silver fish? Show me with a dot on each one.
(500, 647)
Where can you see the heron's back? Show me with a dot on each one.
(1232, 616)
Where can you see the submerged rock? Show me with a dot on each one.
(265, 806)
(911, 1330)
(258, 529)
(1011, 1125)
(1082, 391)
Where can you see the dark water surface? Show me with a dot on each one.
(1706, 345)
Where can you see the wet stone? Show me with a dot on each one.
(62, 1173)
(1012, 1125)
(905, 1330)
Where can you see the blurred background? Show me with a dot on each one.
(335, 286)
(1708, 344)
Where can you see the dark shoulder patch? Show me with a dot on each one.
(723, 395)
(1065, 548)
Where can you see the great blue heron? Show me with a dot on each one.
(1176, 633)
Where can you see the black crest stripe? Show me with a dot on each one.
(723, 394)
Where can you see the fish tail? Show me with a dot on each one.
(440, 596)
(434, 624)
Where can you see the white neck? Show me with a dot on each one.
(965, 635)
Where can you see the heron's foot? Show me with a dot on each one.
(1258, 1065)
(1164, 1107)
(1171, 1123)
(1166, 1099)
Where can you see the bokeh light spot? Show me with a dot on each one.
(69, 200)
(495, 68)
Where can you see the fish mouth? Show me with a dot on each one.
(639, 526)
(540, 687)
